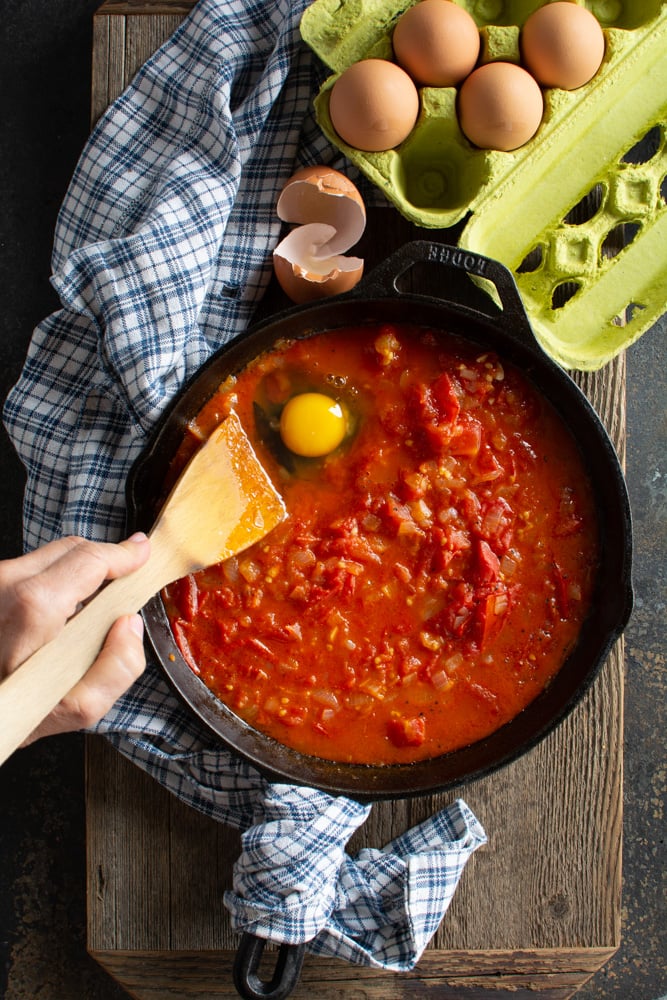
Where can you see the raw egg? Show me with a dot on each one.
(373, 105)
(436, 42)
(562, 45)
(500, 106)
(312, 424)
(310, 262)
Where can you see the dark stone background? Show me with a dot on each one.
(44, 100)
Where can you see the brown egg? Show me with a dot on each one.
(373, 105)
(309, 262)
(500, 106)
(562, 45)
(436, 42)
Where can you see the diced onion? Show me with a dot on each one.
(303, 558)
(453, 662)
(421, 512)
(441, 680)
(509, 564)
(325, 697)
(230, 568)
(388, 347)
(360, 701)
(430, 641)
(501, 602)
(250, 570)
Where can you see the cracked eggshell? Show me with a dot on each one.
(330, 217)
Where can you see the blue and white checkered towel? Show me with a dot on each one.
(162, 250)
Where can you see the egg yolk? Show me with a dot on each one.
(312, 424)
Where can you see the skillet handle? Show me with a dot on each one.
(509, 312)
(285, 976)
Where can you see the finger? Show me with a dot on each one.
(43, 603)
(39, 559)
(66, 552)
(81, 570)
(120, 662)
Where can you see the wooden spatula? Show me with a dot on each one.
(222, 503)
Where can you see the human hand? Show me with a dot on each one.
(40, 591)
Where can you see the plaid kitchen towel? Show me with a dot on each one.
(162, 250)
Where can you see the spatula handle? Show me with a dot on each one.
(35, 688)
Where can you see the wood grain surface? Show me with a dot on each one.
(537, 911)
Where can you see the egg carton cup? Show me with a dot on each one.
(591, 284)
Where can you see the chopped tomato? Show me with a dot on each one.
(569, 519)
(446, 398)
(497, 523)
(467, 439)
(561, 587)
(487, 467)
(489, 615)
(487, 564)
(187, 597)
(395, 514)
(407, 732)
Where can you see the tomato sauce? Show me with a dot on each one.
(434, 570)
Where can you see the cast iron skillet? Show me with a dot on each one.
(495, 321)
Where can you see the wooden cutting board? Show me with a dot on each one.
(537, 911)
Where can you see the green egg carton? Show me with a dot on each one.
(587, 300)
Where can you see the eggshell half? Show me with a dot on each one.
(305, 273)
(322, 194)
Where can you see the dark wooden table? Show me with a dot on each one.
(538, 909)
